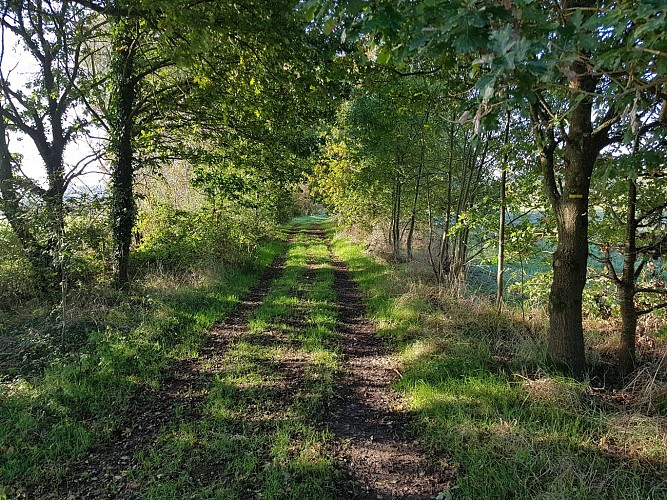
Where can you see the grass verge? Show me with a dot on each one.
(50, 417)
(484, 399)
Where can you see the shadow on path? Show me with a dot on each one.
(369, 424)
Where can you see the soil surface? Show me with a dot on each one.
(372, 443)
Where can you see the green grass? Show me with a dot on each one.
(259, 436)
(50, 417)
(484, 399)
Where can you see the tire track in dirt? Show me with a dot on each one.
(372, 441)
(103, 471)
(371, 445)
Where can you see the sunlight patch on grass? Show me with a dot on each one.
(485, 400)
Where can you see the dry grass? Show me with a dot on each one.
(648, 384)
(633, 436)
(553, 391)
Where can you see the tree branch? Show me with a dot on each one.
(651, 309)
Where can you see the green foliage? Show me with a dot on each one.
(338, 180)
(513, 50)
(535, 288)
(395, 159)
(16, 273)
(563, 66)
(87, 245)
(178, 239)
(86, 253)
(191, 216)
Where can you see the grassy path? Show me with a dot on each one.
(109, 471)
(257, 434)
(288, 398)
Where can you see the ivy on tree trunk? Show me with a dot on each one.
(121, 125)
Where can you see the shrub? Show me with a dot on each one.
(16, 274)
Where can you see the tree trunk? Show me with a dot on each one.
(444, 260)
(568, 195)
(55, 247)
(626, 287)
(422, 154)
(501, 224)
(123, 209)
(566, 338)
(431, 232)
(413, 216)
(626, 353)
(396, 222)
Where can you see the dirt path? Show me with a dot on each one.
(371, 446)
(104, 471)
(372, 441)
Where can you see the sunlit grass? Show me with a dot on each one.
(468, 376)
(260, 428)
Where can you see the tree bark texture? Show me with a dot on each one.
(570, 204)
(566, 337)
(626, 286)
(123, 209)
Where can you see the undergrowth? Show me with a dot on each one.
(485, 399)
(53, 411)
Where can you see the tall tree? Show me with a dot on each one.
(500, 287)
(575, 64)
(134, 54)
(54, 35)
(196, 57)
(638, 236)
(121, 116)
(390, 123)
